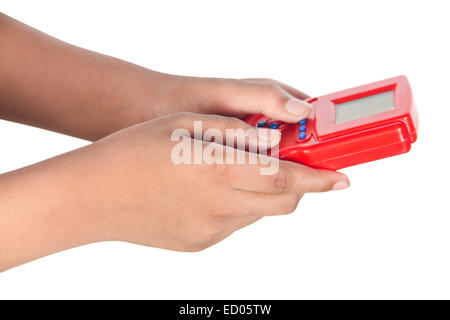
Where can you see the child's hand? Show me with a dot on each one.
(232, 97)
(126, 187)
(139, 195)
(53, 85)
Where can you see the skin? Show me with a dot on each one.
(124, 185)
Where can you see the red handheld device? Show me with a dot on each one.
(350, 127)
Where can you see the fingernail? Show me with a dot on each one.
(341, 184)
(298, 108)
(269, 137)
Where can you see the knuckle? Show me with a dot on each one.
(269, 87)
(208, 235)
(274, 93)
(281, 181)
(202, 235)
(291, 204)
(325, 185)
(198, 241)
(267, 80)
(323, 182)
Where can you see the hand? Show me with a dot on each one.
(125, 187)
(232, 97)
(59, 87)
(149, 200)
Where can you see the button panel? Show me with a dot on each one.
(270, 123)
(302, 133)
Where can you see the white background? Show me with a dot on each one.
(388, 236)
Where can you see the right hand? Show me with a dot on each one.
(139, 195)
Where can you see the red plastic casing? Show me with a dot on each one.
(331, 145)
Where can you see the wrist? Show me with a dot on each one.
(147, 95)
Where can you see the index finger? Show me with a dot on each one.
(289, 89)
(290, 177)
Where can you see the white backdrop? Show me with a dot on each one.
(386, 237)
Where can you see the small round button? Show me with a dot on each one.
(273, 125)
(302, 128)
(301, 135)
(262, 124)
(302, 122)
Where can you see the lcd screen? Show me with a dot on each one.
(363, 107)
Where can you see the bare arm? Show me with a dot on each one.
(51, 84)
(119, 188)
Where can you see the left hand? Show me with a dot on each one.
(56, 86)
(235, 97)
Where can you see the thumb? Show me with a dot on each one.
(242, 97)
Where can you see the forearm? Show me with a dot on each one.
(43, 210)
(50, 84)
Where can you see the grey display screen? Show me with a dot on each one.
(363, 107)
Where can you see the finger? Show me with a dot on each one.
(248, 205)
(242, 222)
(289, 177)
(254, 207)
(228, 226)
(222, 130)
(235, 223)
(251, 97)
(267, 204)
(257, 206)
(291, 90)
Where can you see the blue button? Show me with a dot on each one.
(273, 125)
(301, 135)
(262, 123)
(302, 122)
(302, 128)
